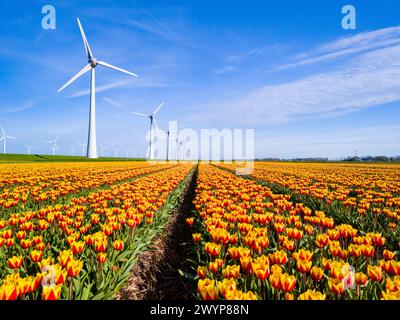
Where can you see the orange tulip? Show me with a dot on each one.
(303, 265)
(100, 245)
(389, 255)
(232, 271)
(101, 257)
(36, 255)
(322, 240)
(361, 279)
(275, 279)
(261, 271)
(212, 248)
(374, 273)
(8, 292)
(15, 262)
(196, 237)
(226, 286)
(394, 267)
(51, 292)
(202, 272)
(316, 273)
(118, 245)
(336, 286)
(287, 282)
(65, 257)
(213, 267)
(207, 289)
(312, 295)
(77, 246)
(246, 264)
(74, 267)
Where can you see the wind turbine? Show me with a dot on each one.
(167, 145)
(29, 148)
(83, 145)
(117, 152)
(54, 145)
(102, 148)
(177, 149)
(4, 139)
(153, 122)
(92, 64)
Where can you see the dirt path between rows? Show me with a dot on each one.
(155, 275)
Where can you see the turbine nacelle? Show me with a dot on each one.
(93, 62)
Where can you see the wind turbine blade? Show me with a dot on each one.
(155, 123)
(158, 109)
(13, 138)
(2, 130)
(2, 138)
(140, 114)
(85, 42)
(81, 72)
(105, 64)
(55, 140)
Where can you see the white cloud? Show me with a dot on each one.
(125, 83)
(362, 42)
(372, 78)
(225, 69)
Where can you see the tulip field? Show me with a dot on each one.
(298, 231)
(74, 230)
(287, 231)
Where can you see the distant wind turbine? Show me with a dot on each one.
(153, 123)
(29, 148)
(117, 152)
(54, 145)
(83, 145)
(4, 138)
(92, 64)
(102, 148)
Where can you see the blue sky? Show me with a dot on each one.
(288, 70)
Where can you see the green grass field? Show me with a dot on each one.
(22, 158)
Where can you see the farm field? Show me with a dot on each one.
(298, 231)
(288, 231)
(74, 230)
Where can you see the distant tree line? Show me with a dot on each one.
(372, 159)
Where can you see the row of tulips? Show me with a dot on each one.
(46, 183)
(254, 244)
(365, 196)
(84, 249)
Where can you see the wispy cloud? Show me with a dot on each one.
(344, 47)
(156, 20)
(372, 78)
(18, 108)
(125, 83)
(113, 102)
(225, 69)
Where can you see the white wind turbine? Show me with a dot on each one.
(54, 145)
(4, 138)
(117, 151)
(153, 123)
(83, 145)
(102, 148)
(29, 148)
(92, 64)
